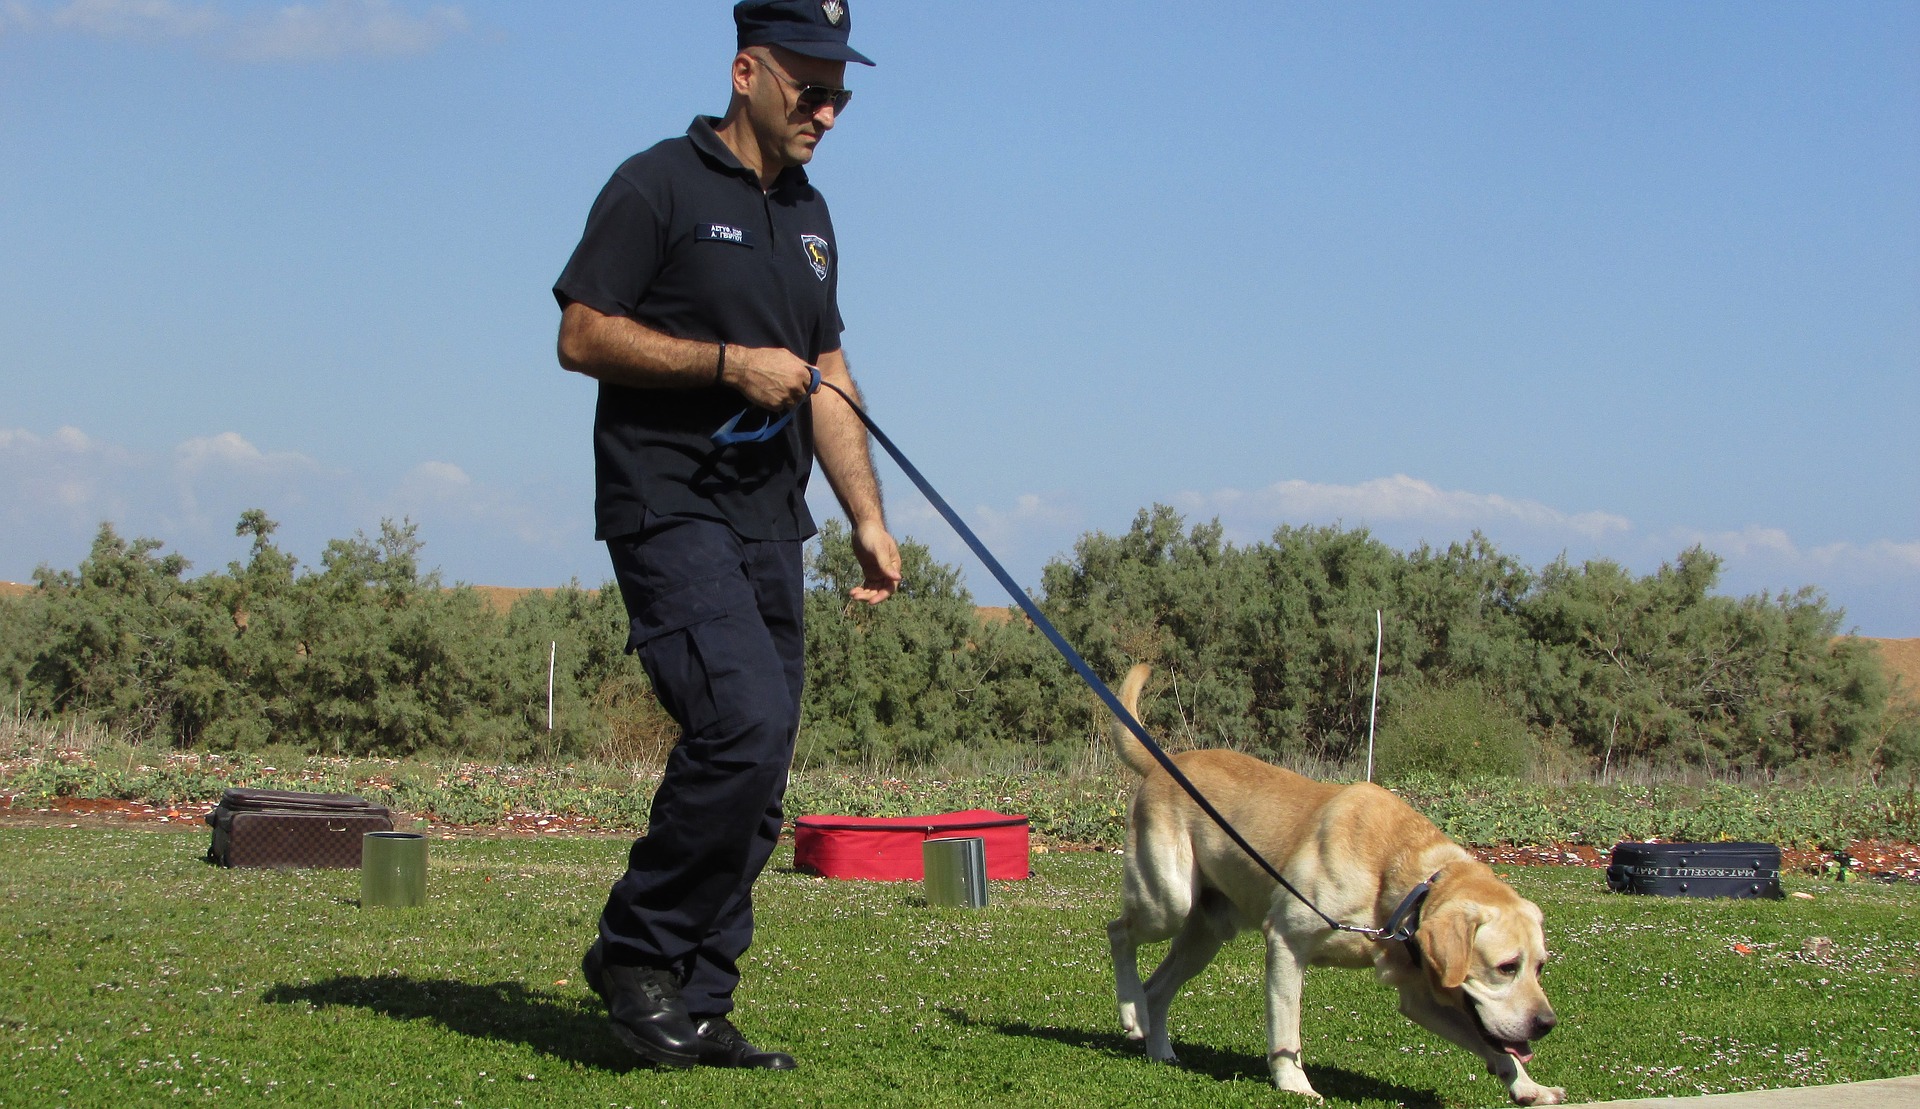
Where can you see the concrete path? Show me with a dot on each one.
(1887, 1093)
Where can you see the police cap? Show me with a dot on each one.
(816, 28)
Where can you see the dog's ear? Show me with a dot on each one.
(1446, 942)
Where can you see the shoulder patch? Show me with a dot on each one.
(819, 252)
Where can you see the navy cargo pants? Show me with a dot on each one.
(716, 621)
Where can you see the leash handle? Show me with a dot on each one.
(1093, 681)
(727, 436)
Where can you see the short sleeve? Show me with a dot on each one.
(830, 325)
(618, 255)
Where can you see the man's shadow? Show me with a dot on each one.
(1222, 1066)
(565, 1029)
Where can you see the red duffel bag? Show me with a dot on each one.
(887, 848)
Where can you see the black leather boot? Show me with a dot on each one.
(722, 1045)
(645, 1008)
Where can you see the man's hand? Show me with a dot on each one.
(772, 378)
(880, 558)
(840, 442)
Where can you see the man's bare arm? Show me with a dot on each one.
(840, 441)
(620, 351)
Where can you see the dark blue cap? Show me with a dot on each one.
(816, 28)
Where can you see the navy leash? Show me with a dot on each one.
(729, 432)
(1405, 919)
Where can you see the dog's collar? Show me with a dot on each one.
(1405, 920)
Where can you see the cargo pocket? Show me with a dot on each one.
(724, 686)
(684, 607)
(711, 661)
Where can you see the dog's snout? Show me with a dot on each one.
(1543, 1024)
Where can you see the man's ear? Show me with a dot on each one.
(1446, 943)
(741, 72)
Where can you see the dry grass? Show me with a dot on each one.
(500, 598)
(1901, 660)
(640, 732)
(22, 734)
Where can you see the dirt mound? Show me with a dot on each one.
(13, 589)
(1901, 658)
(500, 598)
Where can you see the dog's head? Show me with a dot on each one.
(1483, 950)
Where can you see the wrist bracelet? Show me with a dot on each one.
(720, 366)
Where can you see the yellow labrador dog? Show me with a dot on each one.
(1471, 974)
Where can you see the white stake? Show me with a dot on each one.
(1379, 635)
(553, 652)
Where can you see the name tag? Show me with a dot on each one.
(725, 233)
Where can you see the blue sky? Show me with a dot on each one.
(1607, 280)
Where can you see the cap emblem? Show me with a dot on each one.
(834, 10)
(816, 254)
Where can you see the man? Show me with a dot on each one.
(705, 283)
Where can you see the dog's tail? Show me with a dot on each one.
(1125, 743)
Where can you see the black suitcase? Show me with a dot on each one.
(1695, 869)
(281, 828)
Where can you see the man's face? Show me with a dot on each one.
(781, 115)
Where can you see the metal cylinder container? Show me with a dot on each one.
(956, 872)
(393, 870)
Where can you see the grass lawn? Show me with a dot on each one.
(131, 973)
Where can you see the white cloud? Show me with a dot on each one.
(1396, 499)
(324, 31)
(66, 475)
(1774, 550)
(438, 476)
(1896, 556)
(69, 439)
(61, 486)
(444, 491)
(337, 28)
(135, 18)
(1042, 513)
(1881, 554)
(213, 474)
(17, 15)
(229, 450)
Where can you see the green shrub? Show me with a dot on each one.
(1456, 730)
(1268, 648)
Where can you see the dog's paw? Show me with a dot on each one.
(1540, 1095)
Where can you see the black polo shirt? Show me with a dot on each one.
(684, 241)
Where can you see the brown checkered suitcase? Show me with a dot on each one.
(282, 828)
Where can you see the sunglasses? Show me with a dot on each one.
(810, 98)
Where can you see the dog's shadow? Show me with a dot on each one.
(1222, 1066)
(564, 1029)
